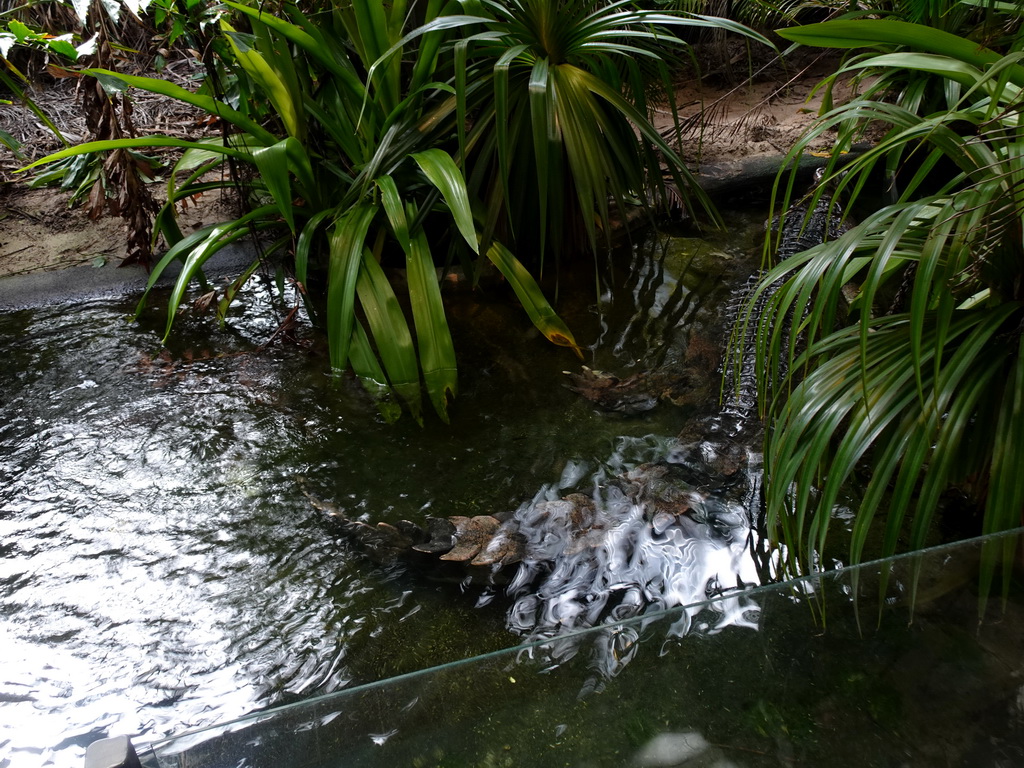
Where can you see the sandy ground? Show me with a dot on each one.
(40, 232)
(764, 118)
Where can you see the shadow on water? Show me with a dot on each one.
(162, 568)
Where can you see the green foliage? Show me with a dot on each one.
(557, 97)
(899, 345)
(377, 145)
(23, 27)
(66, 35)
(760, 14)
(335, 145)
(17, 33)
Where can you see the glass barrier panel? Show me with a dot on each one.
(889, 663)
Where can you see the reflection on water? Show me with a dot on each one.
(147, 543)
(644, 537)
(162, 569)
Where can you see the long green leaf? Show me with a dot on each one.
(962, 72)
(434, 339)
(19, 93)
(184, 247)
(438, 166)
(270, 80)
(211, 149)
(146, 142)
(390, 332)
(371, 375)
(859, 33)
(310, 38)
(540, 312)
(346, 247)
(501, 104)
(393, 206)
(206, 103)
(219, 237)
(675, 163)
(546, 138)
(307, 236)
(272, 163)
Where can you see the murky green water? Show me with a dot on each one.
(161, 566)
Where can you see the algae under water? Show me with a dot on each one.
(161, 567)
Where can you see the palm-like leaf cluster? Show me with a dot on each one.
(558, 91)
(905, 341)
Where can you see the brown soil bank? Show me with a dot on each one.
(745, 130)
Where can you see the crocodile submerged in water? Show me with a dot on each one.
(665, 533)
(798, 229)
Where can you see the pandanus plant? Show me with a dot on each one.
(557, 93)
(904, 349)
(372, 142)
(347, 160)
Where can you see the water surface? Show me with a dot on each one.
(161, 565)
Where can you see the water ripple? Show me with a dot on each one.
(161, 567)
